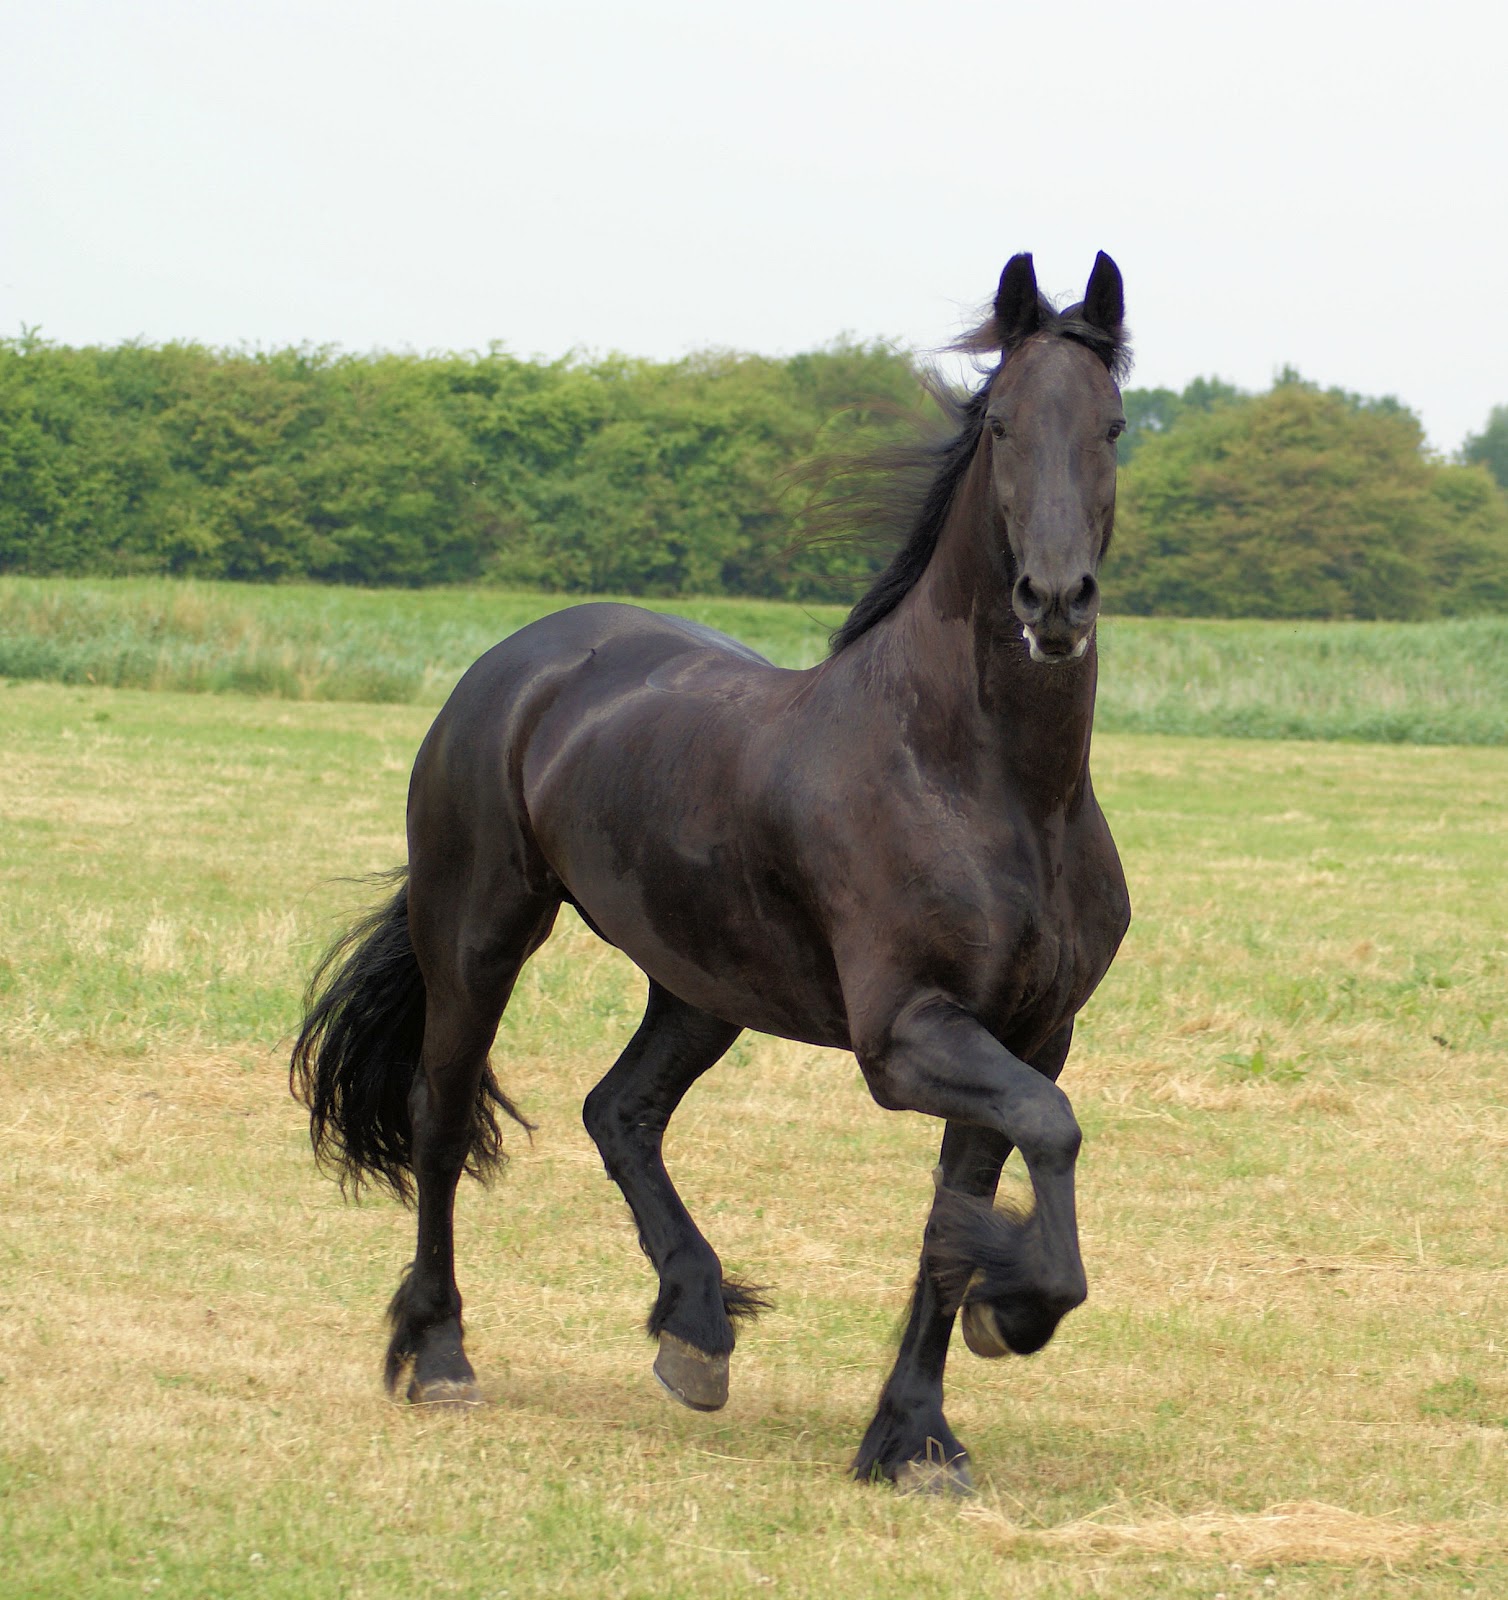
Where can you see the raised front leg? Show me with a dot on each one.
(626, 1114)
(991, 1264)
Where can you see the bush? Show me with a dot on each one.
(1301, 503)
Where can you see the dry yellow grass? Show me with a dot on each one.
(1291, 1377)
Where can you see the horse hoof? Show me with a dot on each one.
(446, 1394)
(981, 1331)
(949, 1478)
(691, 1375)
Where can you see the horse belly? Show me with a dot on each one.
(701, 935)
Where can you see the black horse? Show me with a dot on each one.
(897, 852)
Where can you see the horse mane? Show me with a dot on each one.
(924, 477)
(919, 481)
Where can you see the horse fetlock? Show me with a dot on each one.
(691, 1307)
(909, 1444)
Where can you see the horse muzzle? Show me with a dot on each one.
(1039, 652)
(1056, 618)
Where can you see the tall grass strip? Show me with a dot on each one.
(1377, 682)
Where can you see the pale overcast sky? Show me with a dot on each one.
(1322, 184)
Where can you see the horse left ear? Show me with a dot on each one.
(1105, 299)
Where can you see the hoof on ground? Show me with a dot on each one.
(948, 1478)
(691, 1375)
(446, 1394)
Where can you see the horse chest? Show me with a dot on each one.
(1056, 917)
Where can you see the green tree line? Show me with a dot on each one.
(582, 476)
(1300, 502)
(691, 477)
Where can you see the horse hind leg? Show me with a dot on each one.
(626, 1115)
(453, 1105)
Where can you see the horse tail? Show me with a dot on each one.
(358, 1053)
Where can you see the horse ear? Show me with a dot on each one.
(1105, 299)
(1018, 312)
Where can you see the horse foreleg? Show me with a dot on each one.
(626, 1115)
(990, 1264)
(909, 1440)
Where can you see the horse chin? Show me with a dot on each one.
(1054, 658)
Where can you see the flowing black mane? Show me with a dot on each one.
(919, 501)
(916, 501)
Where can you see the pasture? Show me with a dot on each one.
(1291, 1375)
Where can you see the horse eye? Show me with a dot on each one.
(997, 427)
(1116, 430)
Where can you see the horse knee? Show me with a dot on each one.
(1045, 1130)
(891, 1079)
(595, 1116)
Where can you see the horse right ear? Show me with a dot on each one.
(1105, 299)
(1018, 311)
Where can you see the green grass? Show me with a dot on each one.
(1291, 1366)
(1381, 682)
(1420, 683)
(307, 642)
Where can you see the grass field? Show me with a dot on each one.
(1291, 1376)
(1422, 683)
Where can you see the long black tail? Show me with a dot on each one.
(358, 1052)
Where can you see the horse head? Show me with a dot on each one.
(1051, 421)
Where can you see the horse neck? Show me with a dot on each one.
(958, 647)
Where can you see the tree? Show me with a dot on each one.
(1489, 448)
(1150, 412)
(1301, 503)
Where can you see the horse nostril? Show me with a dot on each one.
(1029, 605)
(1084, 597)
